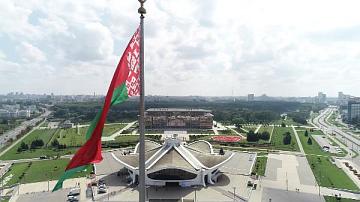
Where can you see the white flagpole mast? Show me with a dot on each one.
(142, 189)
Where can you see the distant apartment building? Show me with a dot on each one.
(343, 99)
(14, 113)
(67, 124)
(170, 118)
(11, 107)
(251, 97)
(353, 109)
(321, 98)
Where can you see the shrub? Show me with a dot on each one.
(287, 138)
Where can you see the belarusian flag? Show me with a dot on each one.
(124, 84)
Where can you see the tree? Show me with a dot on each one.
(23, 147)
(287, 138)
(238, 122)
(309, 141)
(55, 143)
(306, 133)
(283, 124)
(264, 135)
(36, 143)
(252, 137)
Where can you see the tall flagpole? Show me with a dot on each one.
(142, 189)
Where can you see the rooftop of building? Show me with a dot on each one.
(174, 154)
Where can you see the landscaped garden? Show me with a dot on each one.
(310, 146)
(37, 171)
(283, 138)
(260, 165)
(222, 138)
(328, 174)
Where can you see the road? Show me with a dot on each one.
(351, 142)
(16, 131)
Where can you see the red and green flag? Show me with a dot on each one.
(124, 84)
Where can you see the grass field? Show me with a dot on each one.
(111, 129)
(333, 199)
(40, 171)
(314, 148)
(226, 132)
(76, 136)
(36, 153)
(250, 127)
(324, 172)
(266, 128)
(71, 136)
(277, 139)
(127, 138)
(260, 165)
(12, 176)
(45, 135)
(287, 122)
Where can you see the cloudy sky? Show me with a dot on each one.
(193, 47)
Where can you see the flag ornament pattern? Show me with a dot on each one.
(124, 84)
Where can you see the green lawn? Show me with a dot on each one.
(199, 131)
(333, 199)
(287, 122)
(241, 130)
(277, 139)
(12, 176)
(36, 153)
(76, 136)
(250, 127)
(260, 165)
(72, 136)
(314, 148)
(266, 128)
(226, 132)
(43, 134)
(127, 138)
(40, 171)
(328, 174)
(111, 129)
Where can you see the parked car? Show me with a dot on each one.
(72, 198)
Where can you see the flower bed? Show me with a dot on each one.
(222, 138)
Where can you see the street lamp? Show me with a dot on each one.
(234, 194)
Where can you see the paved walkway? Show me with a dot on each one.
(113, 136)
(47, 187)
(287, 172)
(298, 140)
(237, 132)
(258, 128)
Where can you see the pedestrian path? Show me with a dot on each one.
(113, 136)
(298, 140)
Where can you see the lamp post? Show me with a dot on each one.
(234, 194)
(142, 189)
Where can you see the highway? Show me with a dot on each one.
(11, 134)
(348, 139)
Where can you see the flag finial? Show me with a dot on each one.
(142, 10)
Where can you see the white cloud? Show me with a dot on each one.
(193, 47)
(30, 53)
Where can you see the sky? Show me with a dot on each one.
(192, 47)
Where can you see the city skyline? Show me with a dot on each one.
(212, 48)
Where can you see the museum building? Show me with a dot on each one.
(165, 118)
